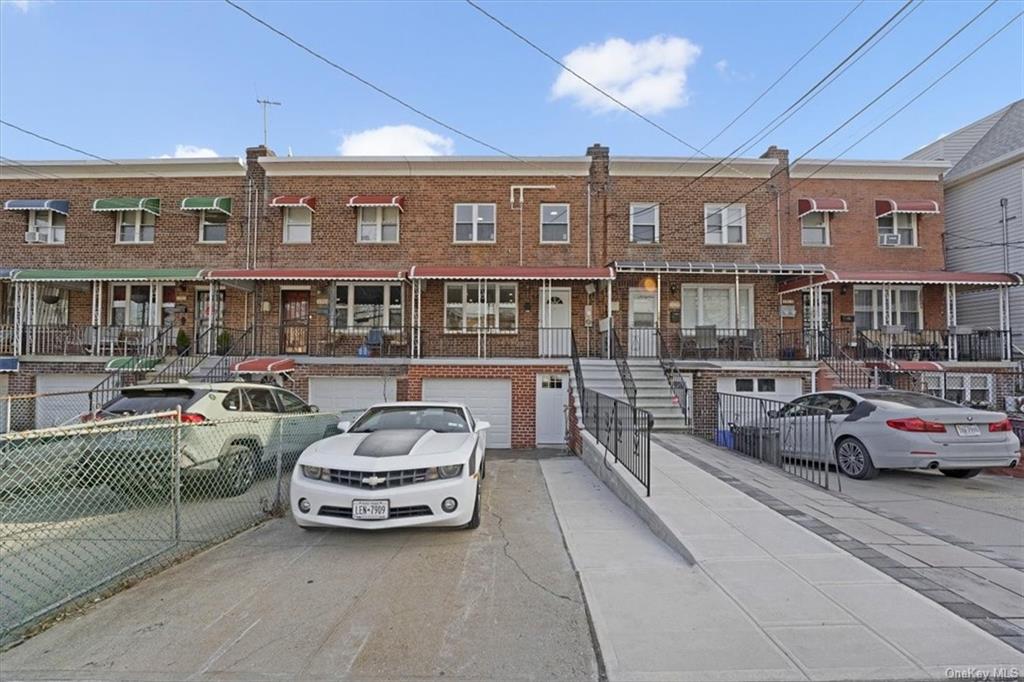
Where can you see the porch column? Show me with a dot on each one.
(209, 312)
(816, 315)
(19, 316)
(1005, 340)
(951, 322)
(33, 316)
(657, 308)
(736, 305)
(886, 305)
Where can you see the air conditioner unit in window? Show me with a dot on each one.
(889, 240)
(34, 238)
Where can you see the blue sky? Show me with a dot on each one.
(140, 79)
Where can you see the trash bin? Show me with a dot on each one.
(760, 442)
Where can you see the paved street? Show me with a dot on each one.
(502, 602)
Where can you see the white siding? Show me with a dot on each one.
(954, 146)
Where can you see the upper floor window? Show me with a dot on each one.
(45, 227)
(213, 227)
(367, 306)
(725, 223)
(644, 227)
(897, 229)
(554, 223)
(472, 306)
(298, 225)
(474, 222)
(378, 224)
(814, 229)
(136, 227)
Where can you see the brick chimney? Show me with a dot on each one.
(778, 185)
(599, 185)
(256, 180)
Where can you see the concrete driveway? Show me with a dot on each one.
(277, 602)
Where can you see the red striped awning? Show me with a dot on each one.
(509, 273)
(377, 200)
(884, 207)
(824, 204)
(289, 200)
(307, 274)
(263, 366)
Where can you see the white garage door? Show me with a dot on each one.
(53, 410)
(772, 388)
(334, 394)
(488, 399)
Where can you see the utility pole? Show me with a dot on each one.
(266, 104)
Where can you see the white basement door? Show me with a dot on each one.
(334, 394)
(54, 410)
(488, 399)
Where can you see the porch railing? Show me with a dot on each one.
(938, 345)
(157, 350)
(6, 339)
(98, 340)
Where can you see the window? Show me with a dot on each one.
(474, 223)
(367, 306)
(261, 400)
(904, 304)
(644, 225)
(725, 223)
(715, 304)
(472, 306)
(760, 385)
(378, 224)
(213, 227)
(45, 227)
(959, 388)
(298, 225)
(897, 229)
(131, 304)
(554, 223)
(135, 227)
(291, 403)
(744, 385)
(235, 401)
(814, 229)
(766, 385)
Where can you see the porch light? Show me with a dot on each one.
(50, 299)
(139, 297)
(649, 284)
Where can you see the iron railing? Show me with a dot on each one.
(835, 348)
(88, 339)
(676, 381)
(146, 360)
(189, 358)
(622, 364)
(577, 371)
(624, 430)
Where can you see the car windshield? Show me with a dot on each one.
(439, 419)
(919, 400)
(146, 400)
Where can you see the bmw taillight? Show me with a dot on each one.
(1004, 425)
(916, 425)
(191, 418)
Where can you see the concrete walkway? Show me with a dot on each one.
(767, 599)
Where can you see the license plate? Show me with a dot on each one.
(370, 510)
(968, 430)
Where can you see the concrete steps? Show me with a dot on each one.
(653, 393)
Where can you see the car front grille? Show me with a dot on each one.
(387, 479)
(393, 513)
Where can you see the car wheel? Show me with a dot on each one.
(853, 459)
(961, 473)
(237, 470)
(474, 521)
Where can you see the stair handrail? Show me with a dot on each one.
(186, 357)
(676, 383)
(628, 384)
(230, 356)
(115, 379)
(849, 370)
(578, 371)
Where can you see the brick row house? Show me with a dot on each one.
(483, 279)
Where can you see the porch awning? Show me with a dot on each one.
(220, 204)
(509, 273)
(690, 268)
(290, 200)
(133, 364)
(56, 205)
(884, 207)
(377, 200)
(263, 366)
(5, 273)
(147, 204)
(824, 204)
(991, 279)
(8, 364)
(154, 275)
(307, 274)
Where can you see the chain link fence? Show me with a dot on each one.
(88, 506)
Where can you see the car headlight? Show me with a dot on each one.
(450, 471)
(316, 473)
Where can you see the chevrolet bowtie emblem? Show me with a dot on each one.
(374, 481)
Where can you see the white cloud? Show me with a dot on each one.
(649, 76)
(400, 140)
(722, 66)
(189, 151)
(24, 6)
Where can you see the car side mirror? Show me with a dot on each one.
(314, 408)
(344, 425)
(774, 414)
(483, 426)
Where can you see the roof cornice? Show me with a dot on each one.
(542, 166)
(128, 168)
(683, 167)
(856, 169)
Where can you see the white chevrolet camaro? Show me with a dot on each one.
(398, 464)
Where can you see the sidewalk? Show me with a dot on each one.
(767, 599)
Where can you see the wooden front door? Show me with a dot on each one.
(294, 321)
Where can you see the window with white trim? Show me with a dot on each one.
(135, 227)
(45, 227)
(897, 229)
(715, 304)
(213, 227)
(904, 302)
(130, 304)
(298, 225)
(554, 223)
(725, 224)
(378, 224)
(959, 388)
(755, 385)
(367, 306)
(814, 229)
(644, 222)
(474, 223)
(471, 306)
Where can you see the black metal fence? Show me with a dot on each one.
(795, 438)
(624, 430)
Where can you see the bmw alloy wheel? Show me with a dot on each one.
(851, 458)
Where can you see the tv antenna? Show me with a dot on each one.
(266, 104)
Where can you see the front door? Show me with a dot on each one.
(209, 311)
(825, 341)
(643, 313)
(294, 321)
(555, 323)
(552, 399)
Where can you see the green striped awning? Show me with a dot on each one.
(132, 364)
(147, 204)
(222, 204)
(151, 275)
